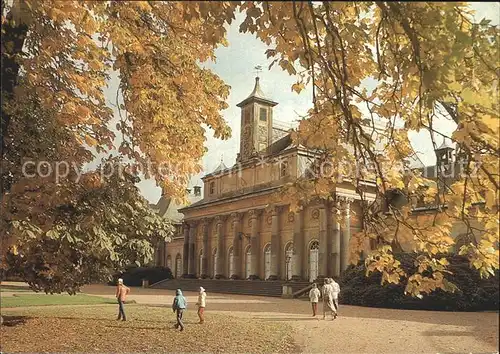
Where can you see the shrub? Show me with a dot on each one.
(473, 294)
(135, 275)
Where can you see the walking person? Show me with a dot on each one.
(121, 295)
(314, 295)
(202, 296)
(178, 306)
(328, 305)
(335, 296)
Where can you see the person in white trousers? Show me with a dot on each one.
(335, 288)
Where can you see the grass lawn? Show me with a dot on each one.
(22, 300)
(148, 329)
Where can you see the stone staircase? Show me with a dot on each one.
(223, 286)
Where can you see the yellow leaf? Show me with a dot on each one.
(297, 87)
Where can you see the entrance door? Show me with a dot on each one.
(248, 262)
(267, 261)
(313, 260)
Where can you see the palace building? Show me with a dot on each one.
(233, 231)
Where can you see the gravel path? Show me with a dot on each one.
(356, 330)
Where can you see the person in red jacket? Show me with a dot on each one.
(121, 295)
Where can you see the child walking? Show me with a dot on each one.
(314, 295)
(201, 304)
(121, 295)
(178, 306)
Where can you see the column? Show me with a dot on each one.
(192, 251)
(219, 225)
(185, 250)
(254, 244)
(165, 253)
(235, 219)
(298, 246)
(336, 241)
(206, 248)
(323, 242)
(275, 244)
(346, 234)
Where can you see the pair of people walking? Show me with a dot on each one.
(180, 305)
(330, 294)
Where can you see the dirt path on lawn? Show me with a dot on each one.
(356, 330)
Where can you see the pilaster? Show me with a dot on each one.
(275, 243)
(336, 240)
(185, 250)
(192, 251)
(298, 246)
(323, 241)
(236, 220)
(219, 225)
(205, 225)
(345, 204)
(254, 243)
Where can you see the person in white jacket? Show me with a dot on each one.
(201, 304)
(328, 305)
(314, 295)
(335, 295)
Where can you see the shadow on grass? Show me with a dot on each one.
(14, 288)
(274, 319)
(11, 321)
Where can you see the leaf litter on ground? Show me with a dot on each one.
(147, 329)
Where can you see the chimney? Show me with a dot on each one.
(197, 191)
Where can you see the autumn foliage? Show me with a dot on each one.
(429, 60)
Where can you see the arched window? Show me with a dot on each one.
(230, 262)
(313, 260)
(267, 261)
(169, 263)
(248, 262)
(200, 263)
(214, 262)
(288, 260)
(178, 266)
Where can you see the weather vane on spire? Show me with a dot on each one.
(258, 69)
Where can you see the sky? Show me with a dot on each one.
(235, 65)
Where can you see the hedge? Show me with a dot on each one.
(135, 275)
(474, 294)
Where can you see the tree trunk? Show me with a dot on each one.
(13, 37)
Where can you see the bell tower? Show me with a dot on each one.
(256, 123)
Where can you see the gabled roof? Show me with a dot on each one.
(257, 95)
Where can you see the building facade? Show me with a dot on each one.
(237, 231)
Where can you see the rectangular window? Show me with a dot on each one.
(212, 187)
(263, 114)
